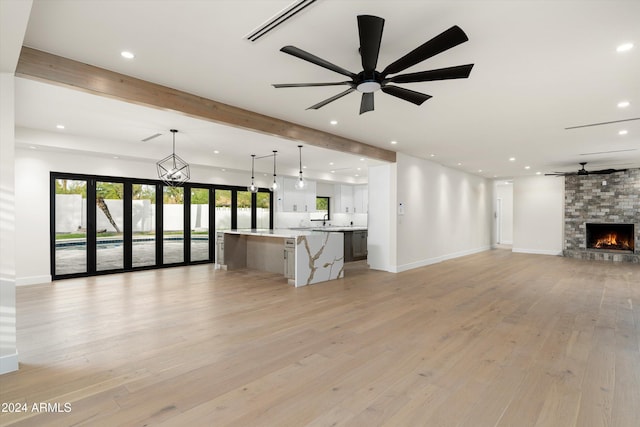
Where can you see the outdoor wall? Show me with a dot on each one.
(538, 205)
(447, 213)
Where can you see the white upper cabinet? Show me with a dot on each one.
(291, 199)
(343, 198)
(361, 199)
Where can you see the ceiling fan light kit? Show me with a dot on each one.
(172, 170)
(369, 80)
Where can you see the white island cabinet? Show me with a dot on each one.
(304, 257)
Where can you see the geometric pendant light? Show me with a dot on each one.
(172, 169)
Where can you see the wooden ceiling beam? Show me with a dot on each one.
(43, 66)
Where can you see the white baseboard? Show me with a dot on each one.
(9, 363)
(435, 260)
(537, 251)
(32, 280)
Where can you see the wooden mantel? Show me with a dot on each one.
(43, 66)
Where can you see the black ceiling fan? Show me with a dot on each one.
(583, 171)
(369, 80)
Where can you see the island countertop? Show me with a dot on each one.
(286, 233)
(304, 257)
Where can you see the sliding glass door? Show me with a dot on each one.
(112, 224)
(143, 224)
(109, 225)
(172, 225)
(70, 226)
(199, 224)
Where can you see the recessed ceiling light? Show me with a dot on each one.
(394, 142)
(60, 126)
(359, 168)
(216, 152)
(623, 132)
(127, 54)
(223, 170)
(538, 173)
(479, 170)
(362, 159)
(624, 47)
(357, 175)
(333, 171)
(527, 167)
(334, 122)
(304, 167)
(459, 164)
(512, 159)
(330, 163)
(623, 104)
(432, 155)
(116, 157)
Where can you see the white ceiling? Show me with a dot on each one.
(540, 66)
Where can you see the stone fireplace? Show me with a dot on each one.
(602, 216)
(610, 237)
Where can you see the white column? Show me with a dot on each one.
(8, 348)
(382, 218)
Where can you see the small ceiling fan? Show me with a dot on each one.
(369, 80)
(583, 171)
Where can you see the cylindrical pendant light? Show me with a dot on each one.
(300, 184)
(253, 188)
(274, 185)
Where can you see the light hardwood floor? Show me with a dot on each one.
(492, 339)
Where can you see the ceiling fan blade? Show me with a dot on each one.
(606, 171)
(406, 94)
(370, 31)
(444, 41)
(328, 100)
(457, 72)
(281, 85)
(299, 53)
(367, 102)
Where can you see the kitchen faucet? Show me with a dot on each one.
(325, 218)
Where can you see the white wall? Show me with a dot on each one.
(448, 213)
(504, 192)
(8, 349)
(32, 175)
(381, 240)
(538, 215)
(33, 167)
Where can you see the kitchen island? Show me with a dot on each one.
(304, 257)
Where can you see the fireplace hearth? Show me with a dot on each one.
(610, 237)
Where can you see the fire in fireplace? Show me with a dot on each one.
(610, 237)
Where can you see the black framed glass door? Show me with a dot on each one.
(102, 224)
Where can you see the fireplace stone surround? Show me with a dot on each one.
(612, 198)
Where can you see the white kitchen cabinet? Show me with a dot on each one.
(290, 258)
(220, 248)
(291, 199)
(360, 199)
(343, 198)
